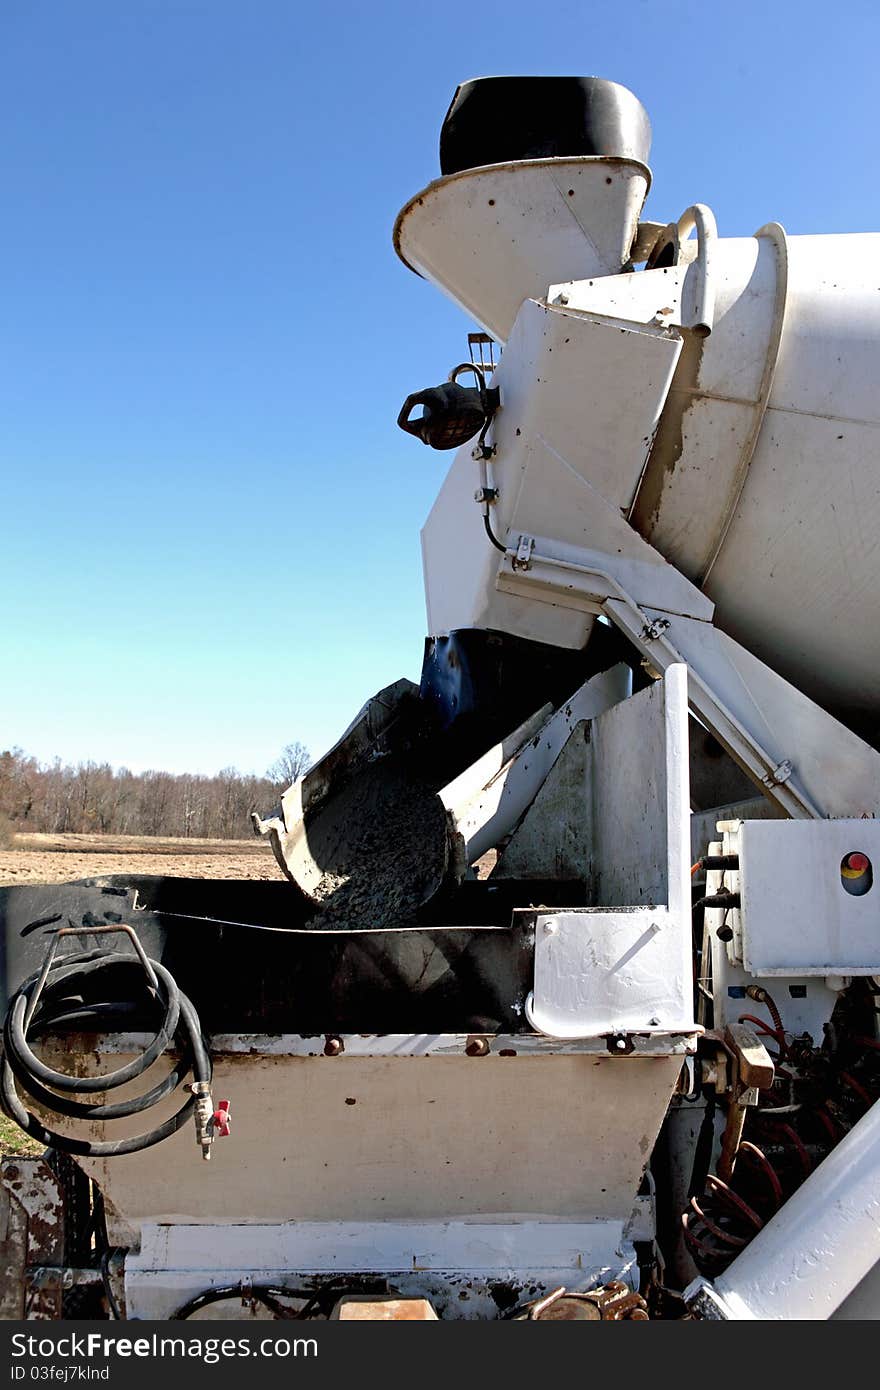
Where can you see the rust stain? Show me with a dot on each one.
(666, 447)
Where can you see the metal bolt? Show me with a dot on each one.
(620, 1044)
(477, 1047)
(654, 1022)
(333, 1046)
(551, 928)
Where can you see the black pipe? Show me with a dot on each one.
(81, 990)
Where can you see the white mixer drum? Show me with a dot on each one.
(784, 539)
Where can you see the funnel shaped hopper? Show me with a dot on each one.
(544, 181)
(492, 237)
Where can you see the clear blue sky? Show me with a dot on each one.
(210, 520)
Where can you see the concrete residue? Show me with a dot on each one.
(375, 851)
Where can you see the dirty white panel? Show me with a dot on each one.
(796, 915)
(798, 579)
(641, 805)
(457, 1265)
(831, 347)
(580, 399)
(405, 1138)
(731, 360)
(644, 296)
(837, 772)
(592, 388)
(600, 973)
(494, 236)
(625, 965)
(488, 799)
(554, 838)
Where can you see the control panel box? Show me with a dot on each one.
(809, 896)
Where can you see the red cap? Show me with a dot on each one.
(221, 1120)
(858, 862)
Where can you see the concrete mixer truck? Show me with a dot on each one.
(567, 1007)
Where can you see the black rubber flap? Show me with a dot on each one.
(493, 120)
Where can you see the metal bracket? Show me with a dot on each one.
(780, 774)
(600, 592)
(522, 560)
(651, 631)
(99, 929)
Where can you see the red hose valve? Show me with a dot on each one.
(220, 1120)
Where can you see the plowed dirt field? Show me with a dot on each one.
(65, 858)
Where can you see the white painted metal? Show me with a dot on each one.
(704, 823)
(556, 477)
(403, 1137)
(554, 839)
(641, 806)
(454, 1263)
(494, 236)
(797, 578)
(796, 917)
(820, 1245)
(781, 527)
(720, 391)
(701, 219)
(625, 966)
(833, 771)
(359, 1045)
(599, 973)
(758, 717)
(488, 799)
(805, 1002)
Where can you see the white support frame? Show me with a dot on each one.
(437, 1260)
(623, 968)
(755, 714)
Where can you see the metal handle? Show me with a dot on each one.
(100, 930)
(403, 420)
(702, 219)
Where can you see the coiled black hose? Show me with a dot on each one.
(87, 991)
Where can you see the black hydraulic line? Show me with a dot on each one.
(80, 990)
(491, 534)
(267, 1294)
(74, 980)
(723, 898)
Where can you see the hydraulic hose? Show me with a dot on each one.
(87, 991)
(316, 1301)
(268, 1295)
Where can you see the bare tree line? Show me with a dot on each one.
(96, 798)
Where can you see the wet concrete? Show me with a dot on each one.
(380, 845)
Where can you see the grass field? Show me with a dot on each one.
(13, 1141)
